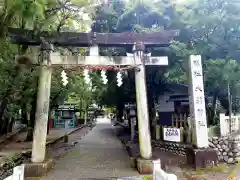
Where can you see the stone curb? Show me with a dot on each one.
(121, 124)
(28, 152)
(11, 135)
(62, 136)
(41, 169)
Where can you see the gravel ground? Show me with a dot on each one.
(98, 155)
(55, 151)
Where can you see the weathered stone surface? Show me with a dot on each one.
(230, 161)
(225, 158)
(228, 148)
(235, 150)
(220, 142)
(224, 146)
(175, 148)
(225, 138)
(144, 166)
(201, 158)
(38, 169)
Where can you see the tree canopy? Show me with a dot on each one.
(207, 27)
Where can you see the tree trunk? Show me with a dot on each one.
(24, 119)
(4, 127)
(3, 106)
(85, 116)
(10, 125)
(29, 133)
(214, 107)
(120, 108)
(31, 121)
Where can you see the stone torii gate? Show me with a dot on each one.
(56, 60)
(49, 60)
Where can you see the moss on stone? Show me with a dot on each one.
(147, 177)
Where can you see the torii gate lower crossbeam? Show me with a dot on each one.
(50, 59)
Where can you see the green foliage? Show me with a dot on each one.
(83, 94)
(19, 86)
(207, 27)
(210, 28)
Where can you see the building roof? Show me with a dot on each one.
(172, 87)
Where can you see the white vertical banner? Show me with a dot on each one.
(197, 102)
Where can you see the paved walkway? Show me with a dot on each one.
(99, 155)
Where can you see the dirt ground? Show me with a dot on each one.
(16, 146)
(60, 149)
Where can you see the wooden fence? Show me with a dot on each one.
(225, 127)
(181, 122)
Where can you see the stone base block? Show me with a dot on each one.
(201, 158)
(133, 149)
(133, 162)
(145, 166)
(38, 169)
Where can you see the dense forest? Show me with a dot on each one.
(207, 27)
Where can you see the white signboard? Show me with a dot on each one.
(171, 134)
(197, 102)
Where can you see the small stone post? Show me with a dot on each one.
(18, 173)
(40, 130)
(156, 166)
(142, 104)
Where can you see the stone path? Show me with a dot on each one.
(99, 155)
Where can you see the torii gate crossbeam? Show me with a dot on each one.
(76, 39)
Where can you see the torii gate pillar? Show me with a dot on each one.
(44, 89)
(142, 103)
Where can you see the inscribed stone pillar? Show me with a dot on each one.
(197, 102)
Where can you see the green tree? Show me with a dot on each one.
(19, 85)
(209, 28)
